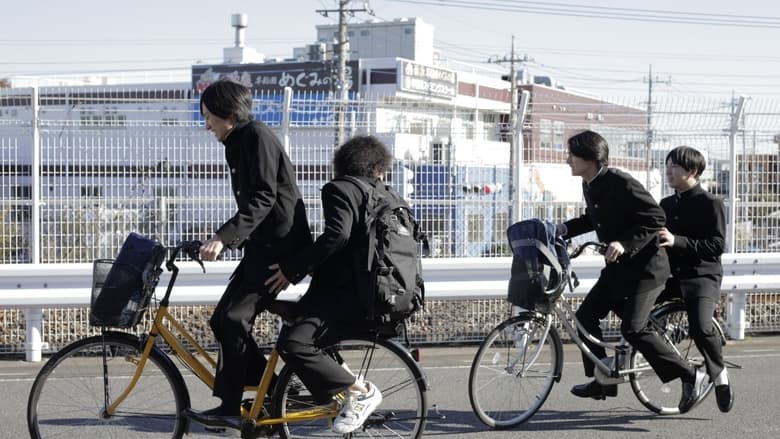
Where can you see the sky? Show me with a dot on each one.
(605, 47)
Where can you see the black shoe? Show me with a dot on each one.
(724, 395)
(213, 418)
(594, 390)
(693, 392)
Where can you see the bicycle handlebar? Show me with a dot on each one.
(190, 248)
(600, 247)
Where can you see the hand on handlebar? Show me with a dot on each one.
(614, 251)
(211, 249)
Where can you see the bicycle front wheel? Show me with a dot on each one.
(514, 371)
(671, 321)
(73, 389)
(384, 363)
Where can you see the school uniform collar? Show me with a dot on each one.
(602, 171)
(236, 127)
(694, 190)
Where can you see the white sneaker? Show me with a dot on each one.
(356, 409)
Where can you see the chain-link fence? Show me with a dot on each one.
(81, 167)
(101, 162)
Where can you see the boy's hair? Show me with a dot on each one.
(225, 98)
(362, 156)
(589, 145)
(687, 158)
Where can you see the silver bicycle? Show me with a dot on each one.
(517, 364)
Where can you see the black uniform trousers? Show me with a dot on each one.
(320, 373)
(634, 310)
(241, 362)
(701, 296)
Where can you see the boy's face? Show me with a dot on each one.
(678, 177)
(579, 166)
(217, 125)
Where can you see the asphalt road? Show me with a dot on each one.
(756, 413)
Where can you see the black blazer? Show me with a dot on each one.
(332, 293)
(618, 208)
(697, 219)
(271, 215)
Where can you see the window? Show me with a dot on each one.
(91, 191)
(440, 153)
(164, 191)
(364, 33)
(500, 225)
(558, 130)
(475, 228)
(408, 30)
(21, 192)
(545, 134)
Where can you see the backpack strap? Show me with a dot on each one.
(542, 248)
(370, 203)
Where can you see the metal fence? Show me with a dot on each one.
(81, 167)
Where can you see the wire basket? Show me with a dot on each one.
(122, 288)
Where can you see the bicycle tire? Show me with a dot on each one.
(659, 397)
(67, 397)
(514, 371)
(387, 365)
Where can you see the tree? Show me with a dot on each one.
(5, 83)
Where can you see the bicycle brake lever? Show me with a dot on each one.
(193, 252)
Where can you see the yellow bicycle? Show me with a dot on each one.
(119, 385)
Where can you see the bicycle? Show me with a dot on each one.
(122, 385)
(521, 359)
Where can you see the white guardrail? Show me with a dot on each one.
(34, 287)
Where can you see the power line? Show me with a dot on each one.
(625, 14)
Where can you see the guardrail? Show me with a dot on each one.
(34, 287)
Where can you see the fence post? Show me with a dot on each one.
(516, 166)
(34, 344)
(731, 239)
(736, 302)
(35, 183)
(286, 108)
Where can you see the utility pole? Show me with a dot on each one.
(650, 133)
(342, 44)
(516, 140)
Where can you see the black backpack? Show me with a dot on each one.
(539, 262)
(390, 274)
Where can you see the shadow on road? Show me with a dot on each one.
(620, 420)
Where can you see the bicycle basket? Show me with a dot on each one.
(537, 266)
(122, 288)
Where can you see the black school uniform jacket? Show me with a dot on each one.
(618, 208)
(271, 216)
(332, 293)
(697, 219)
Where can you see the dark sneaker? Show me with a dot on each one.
(594, 390)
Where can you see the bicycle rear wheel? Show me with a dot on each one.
(514, 371)
(68, 397)
(659, 397)
(384, 363)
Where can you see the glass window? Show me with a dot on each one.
(545, 134)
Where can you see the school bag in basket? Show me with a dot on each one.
(539, 262)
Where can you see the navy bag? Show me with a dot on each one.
(539, 263)
(123, 287)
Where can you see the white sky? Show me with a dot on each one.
(604, 56)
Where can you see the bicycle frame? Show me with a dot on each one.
(566, 316)
(203, 370)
